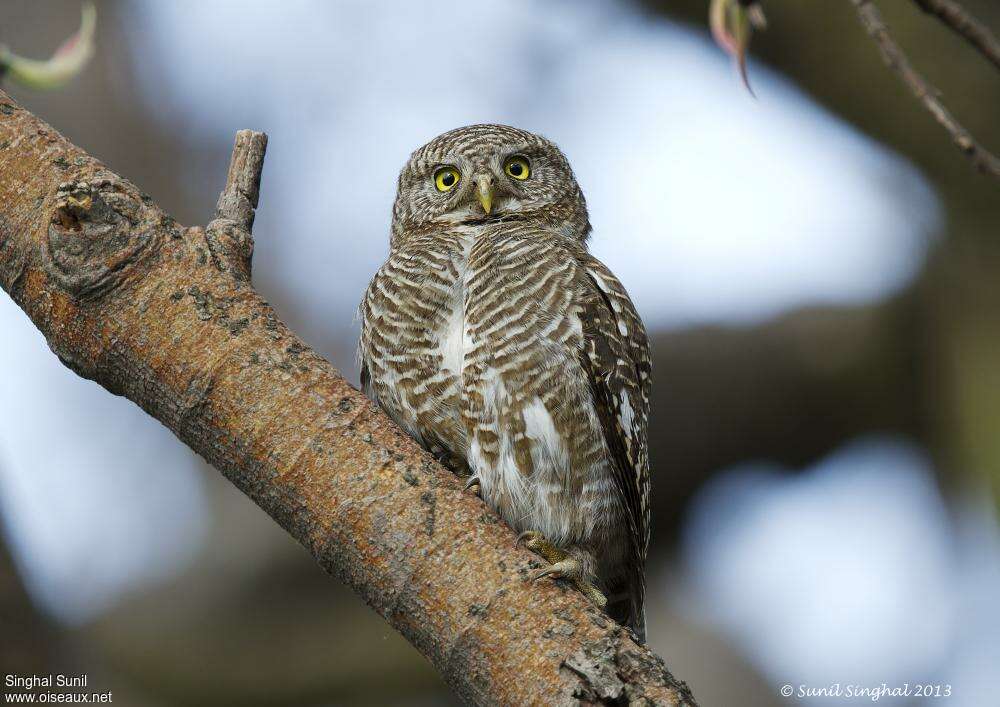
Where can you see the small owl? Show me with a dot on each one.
(495, 339)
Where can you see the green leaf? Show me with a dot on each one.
(67, 61)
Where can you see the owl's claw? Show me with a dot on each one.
(473, 485)
(561, 565)
(531, 539)
(564, 569)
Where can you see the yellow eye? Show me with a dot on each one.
(446, 178)
(518, 168)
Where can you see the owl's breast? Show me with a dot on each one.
(535, 439)
(476, 350)
(412, 322)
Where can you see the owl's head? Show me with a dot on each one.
(484, 174)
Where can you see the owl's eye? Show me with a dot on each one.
(446, 178)
(518, 168)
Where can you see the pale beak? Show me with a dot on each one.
(484, 192)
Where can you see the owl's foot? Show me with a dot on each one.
(562, 565)
(472, 484)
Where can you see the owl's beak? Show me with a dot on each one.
(484, 192)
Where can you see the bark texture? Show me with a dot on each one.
(165, 315)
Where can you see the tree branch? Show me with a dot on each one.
(238, 200)
(229, 235)
(958, 19)
(927, 94)
(165, 316)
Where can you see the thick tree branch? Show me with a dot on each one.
(958, 19)
(165, 316)
(927, 94)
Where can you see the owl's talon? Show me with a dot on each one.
(474, 485)
(531, 539)
(593, 593)
(561, 566)
(564, 569)
(571, 570)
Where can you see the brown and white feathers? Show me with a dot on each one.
(494, 338)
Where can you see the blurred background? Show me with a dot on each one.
(817, 268)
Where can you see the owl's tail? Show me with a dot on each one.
(626, 599)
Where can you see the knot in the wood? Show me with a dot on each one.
(80, 205)
(229, 235)
(96, 231)
(231, 248)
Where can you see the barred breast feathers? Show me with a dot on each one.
(493, 337)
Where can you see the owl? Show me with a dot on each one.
(494, 338)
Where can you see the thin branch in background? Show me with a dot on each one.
(958, 19)
(985, 161)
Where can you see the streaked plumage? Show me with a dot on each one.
(504, 347)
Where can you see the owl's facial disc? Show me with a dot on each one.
(487, 175)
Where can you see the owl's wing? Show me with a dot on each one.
(617, 362)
